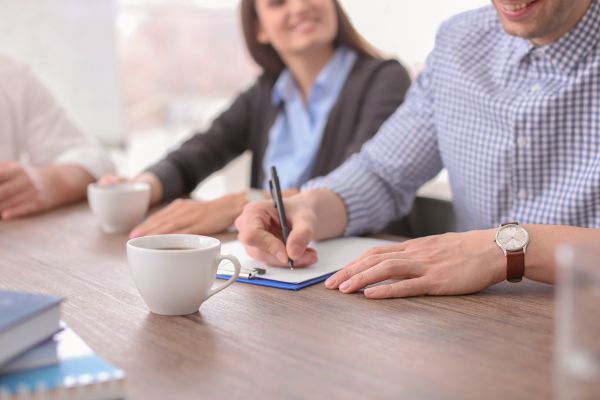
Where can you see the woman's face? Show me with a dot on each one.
(296, 27)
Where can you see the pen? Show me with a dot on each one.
(246, 273)
(278, 202)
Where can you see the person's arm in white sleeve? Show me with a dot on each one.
(59, 160)
(50, 137)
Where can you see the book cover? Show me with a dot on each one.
(16, 307)
(41, 355)
(79, 375)
(26, 319)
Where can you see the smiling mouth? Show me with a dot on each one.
(517, 9)
(303, 25)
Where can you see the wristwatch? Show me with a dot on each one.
(512, 238)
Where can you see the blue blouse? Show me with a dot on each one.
(296, 134)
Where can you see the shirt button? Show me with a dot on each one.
(521, 141)
(536, 88)
(522, 194)
(537, 54)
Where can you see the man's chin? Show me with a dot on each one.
(521, 23)
(517, 30)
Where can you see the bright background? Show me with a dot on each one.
(141, 75)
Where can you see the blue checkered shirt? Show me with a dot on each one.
(516, 126)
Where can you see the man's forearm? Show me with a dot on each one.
(330, 210)
(65, 184)
(540, 264)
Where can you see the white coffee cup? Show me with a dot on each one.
(119, 207)
(175, 273)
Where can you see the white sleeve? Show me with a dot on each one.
(49, 136)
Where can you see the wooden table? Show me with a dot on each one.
(256, 342)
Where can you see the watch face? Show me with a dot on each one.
(512, 237)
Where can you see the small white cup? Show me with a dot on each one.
(175, 273)
(119, 207)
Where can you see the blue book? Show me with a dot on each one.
(26, 319)
(42, 355)
(80, 374)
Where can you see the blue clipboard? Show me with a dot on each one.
(333, 255)
(279, 284)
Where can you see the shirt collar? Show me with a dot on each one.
(569, 50)
(285, 86)
(521, 48)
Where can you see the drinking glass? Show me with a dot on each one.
(577, 323)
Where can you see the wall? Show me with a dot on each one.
(71, 46)
(405, 28)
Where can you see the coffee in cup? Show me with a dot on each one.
(175, 273)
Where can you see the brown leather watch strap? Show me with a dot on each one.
(515, 265)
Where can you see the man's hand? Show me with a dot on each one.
(192, 216)
(449, 264)
(26, 190)
(260, 232)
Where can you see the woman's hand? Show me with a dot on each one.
(110, 179)
(193, 216)
(147, 177)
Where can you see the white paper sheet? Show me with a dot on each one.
(333, 255)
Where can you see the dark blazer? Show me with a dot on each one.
(373, 90)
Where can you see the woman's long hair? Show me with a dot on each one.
(268, 58)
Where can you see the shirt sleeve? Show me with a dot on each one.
(379, 183)
(206, 152)
(49, 136)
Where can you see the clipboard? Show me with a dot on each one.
(333, 255)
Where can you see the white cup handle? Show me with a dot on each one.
(236, 265)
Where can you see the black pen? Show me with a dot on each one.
(278, 202)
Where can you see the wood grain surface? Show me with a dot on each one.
(254, 342)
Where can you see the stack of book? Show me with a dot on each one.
(40, 357)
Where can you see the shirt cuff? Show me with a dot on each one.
(370, 201)
(170, 179)
(359, 214)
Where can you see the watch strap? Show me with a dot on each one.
(510, 223)
(515, 261)
(515, 265)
